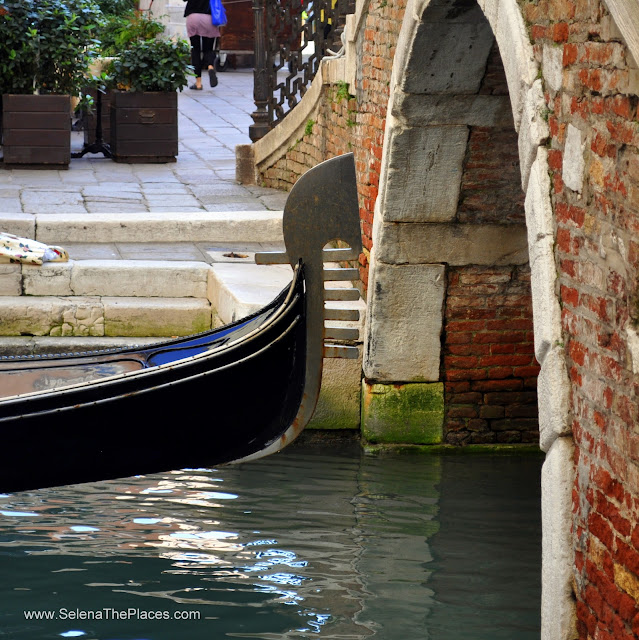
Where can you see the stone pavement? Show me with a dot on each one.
(211, 123)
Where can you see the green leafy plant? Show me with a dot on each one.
(116, 7)
(308, 129)
(342, 93)
(119, 32)
(46, 46)
(151, 65)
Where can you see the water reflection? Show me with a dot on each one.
(299, 545)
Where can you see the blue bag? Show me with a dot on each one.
(218, 13)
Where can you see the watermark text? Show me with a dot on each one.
(110, 613)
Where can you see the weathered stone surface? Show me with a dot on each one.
(454, 244)
(424, 174)
(237, 290)
(553, 389)
(144, 278)
(407, 413)
(533, 130)
(10, 280)
(226, 226)
(50, 279)
(155, 316)
(632, 339)
(405, 310)
(552, 66)
(40, 316)
(26, 345)
(558, 615)
(245, 164)
(541, 240)
(20, 224)
(419, 110)
(338, 406)
(516, 53)
(573, 161)
(448, 56)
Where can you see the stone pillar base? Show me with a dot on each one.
(410, 413)
(245, 171)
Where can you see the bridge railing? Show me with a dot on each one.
(291, 38)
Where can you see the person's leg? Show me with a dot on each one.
(196, 59)
(208, 57)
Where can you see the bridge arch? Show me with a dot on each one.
(432, 232)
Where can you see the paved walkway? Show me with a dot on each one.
(211, 123)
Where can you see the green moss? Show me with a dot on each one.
(403, 414)
(144, 326)
(449, 449)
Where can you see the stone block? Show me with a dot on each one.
(543, 270)
(50, 279)
(10, 280)
(245, 172)
(338, 406)
(558, 611)
(143, 278)
(155, 316)
(403, 332)
(424, 174)
(553, 389)
(552, 66)
(237, 290)
(44, 316)
(533, 130)
(20, 224)
(454, 244)
(632, 339)
(226, 226)
(573, 161)
(403, 414)
(418, 110)
(448, 56)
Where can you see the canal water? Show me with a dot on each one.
(309, 543)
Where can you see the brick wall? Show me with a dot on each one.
(489, 361)
(489, 366)
(491, 183)
(597, 257)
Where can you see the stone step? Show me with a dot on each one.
(33, 324)
(215, 227)
(112, 278)
(87, 292)
(101, 316)
(240, 289)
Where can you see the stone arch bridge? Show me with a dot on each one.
(496, 145)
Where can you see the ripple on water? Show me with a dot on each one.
(299, 545)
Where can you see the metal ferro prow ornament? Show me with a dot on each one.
(322, 207)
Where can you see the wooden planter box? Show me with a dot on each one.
(36, 130)
(144, 126)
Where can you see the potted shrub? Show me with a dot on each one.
(45, 50)
(144, 120)
(121, 27)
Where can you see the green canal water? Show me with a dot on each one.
(309, 543)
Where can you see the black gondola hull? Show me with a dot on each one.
(200, 410)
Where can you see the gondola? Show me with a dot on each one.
(231, 394)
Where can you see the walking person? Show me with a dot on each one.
(202, 33)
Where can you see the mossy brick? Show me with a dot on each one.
(410, 413)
